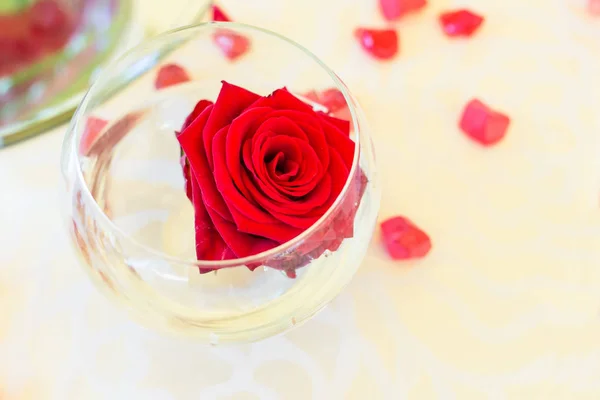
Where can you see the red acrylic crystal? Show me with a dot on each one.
(169, 75)
(333, 99)
(460, 22)
(403, 239)
(93, 127)
(394, 9)
(594, 7)
(483, 124)
(380, 43)
(219, 15)
(232, 44)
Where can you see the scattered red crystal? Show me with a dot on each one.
(93, 127)
(483, 124)
(403, 239)
(333, 99)
(219, 15)
(594, 7)
(169, 75)
(394, 9)
(232, 44)
(460, 22)
(380, 43)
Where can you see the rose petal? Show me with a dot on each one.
(219, 15)
(342, 124)
(340, 142)
(226, 187)
(170, 75)
(242, 244)
(311, 126)
(200, 106)
(380, 43)
(282, 99)
(209, 244)
(460, 22)
(231, 102)
(191, 143)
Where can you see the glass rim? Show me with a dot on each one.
(76, 127)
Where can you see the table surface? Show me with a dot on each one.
(507, 304)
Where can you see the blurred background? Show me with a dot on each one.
(507, 304)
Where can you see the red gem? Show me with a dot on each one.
(460, 22)
(483, 124)
(219, 15)
(232, 44)
(169, 75)
(312, 96)
(594, 7)
(394, 9)
(404, 240)
(333, 99)
(93, 127)
(380, 43)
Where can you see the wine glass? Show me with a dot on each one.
(133, 225)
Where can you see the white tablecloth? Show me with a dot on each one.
(507, 305)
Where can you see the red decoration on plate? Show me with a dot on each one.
(170, 75)
(460, 22)
(219, 15)
(333, 100)
(594, 7)
(93, 127)
(394, 9)
(403, 239)
(232, 44)
(483, 124)
(380, 43)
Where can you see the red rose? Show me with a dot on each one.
(261, 170)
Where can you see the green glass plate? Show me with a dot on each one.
(36, 111)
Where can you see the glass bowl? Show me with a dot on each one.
(131, 220)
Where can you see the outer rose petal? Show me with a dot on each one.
(232, 101)
(282, 99)
(340, 142)
(200, 106)
(241, 128)
(191, 143)
(209, 244)
(342, 124)
(241, 244)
